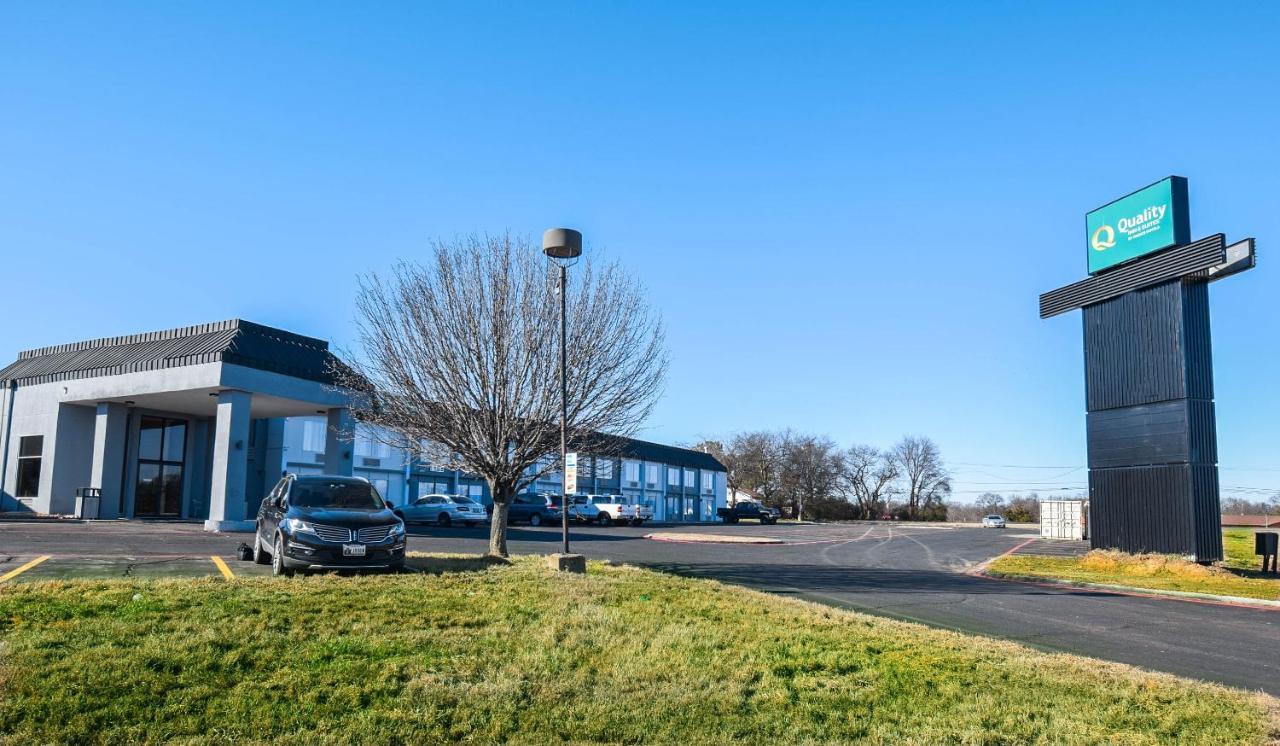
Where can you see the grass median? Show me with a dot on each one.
(496, 652)
(1157, 572)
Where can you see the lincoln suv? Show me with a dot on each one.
(327, 522)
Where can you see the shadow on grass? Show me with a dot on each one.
(439, 564)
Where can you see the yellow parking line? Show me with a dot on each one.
(24, 568)
(222, 567)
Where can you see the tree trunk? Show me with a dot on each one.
(498, 524)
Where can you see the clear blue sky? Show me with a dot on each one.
(845, 213)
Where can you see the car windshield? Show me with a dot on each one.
(336, 494)
(463, 500)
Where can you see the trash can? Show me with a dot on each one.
(1267, 544)
(88, 502)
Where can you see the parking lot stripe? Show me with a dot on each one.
(222, 568)
(24, 568)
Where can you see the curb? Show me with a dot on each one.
(1128, 590)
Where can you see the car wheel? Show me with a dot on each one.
(260, 555)
(535, 519)
(278, 568)
(604, 519)
(444, 520)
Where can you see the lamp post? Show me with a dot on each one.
(563, 246)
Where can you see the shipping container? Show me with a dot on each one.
(1064, 519)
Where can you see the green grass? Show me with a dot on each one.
(1233, 577)
(494, 652)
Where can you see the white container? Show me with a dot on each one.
(1064, 519)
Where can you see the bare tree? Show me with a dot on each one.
(925, 479)
(755, 461)
(811, 469)
(869, 474)
(463, 356)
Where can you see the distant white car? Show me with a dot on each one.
(604, 510)
(993, 521)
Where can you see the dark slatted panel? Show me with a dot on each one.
(1133, 348)
(1197, 338)
(1174, 263)
(1207, 512)
(1143, 435)
(1143, 509)
(1203, 430)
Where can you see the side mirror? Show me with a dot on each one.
(388, 504)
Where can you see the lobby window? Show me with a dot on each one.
(30, 451)
(313, 435)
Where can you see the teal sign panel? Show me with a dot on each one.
(1150, 219)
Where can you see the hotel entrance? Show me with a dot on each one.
(162, 445)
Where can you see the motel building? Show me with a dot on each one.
(198, 423)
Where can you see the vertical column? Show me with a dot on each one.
(110, 437)
(275, 460)
(1153, 474)
(230, 463)
(339, 443)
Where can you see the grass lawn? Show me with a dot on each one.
(489, 652)
(1237, 575)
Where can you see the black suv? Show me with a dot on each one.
(327, 522)
(532, 509)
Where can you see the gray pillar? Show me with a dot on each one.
(230, 463)
(110, 438)
(276, 460)
(339, 443)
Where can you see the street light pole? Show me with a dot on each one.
(563, 246)
(564, 412)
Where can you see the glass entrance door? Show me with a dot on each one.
(162, 444)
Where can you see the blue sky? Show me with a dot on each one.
(844, 212)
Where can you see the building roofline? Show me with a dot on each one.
(175, 333)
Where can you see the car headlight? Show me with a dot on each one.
(398, 529)
(298, 526)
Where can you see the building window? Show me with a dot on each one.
(631, 473)
(475, 492)
(708, 482)
(162, 445)
(381, 486)
(313, 435)
(30, 451)
(690, 479)
(652, 475)
(604, 469)
(368, 448)
(673, 476)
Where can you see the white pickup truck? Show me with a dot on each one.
(608, 509)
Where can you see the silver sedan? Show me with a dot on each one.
(443, 510)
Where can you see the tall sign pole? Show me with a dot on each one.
(1152, 438)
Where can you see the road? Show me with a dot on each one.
(916, 573)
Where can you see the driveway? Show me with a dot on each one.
(918, 573)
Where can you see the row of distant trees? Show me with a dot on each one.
(813, 477)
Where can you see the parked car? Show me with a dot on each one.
(532, 509)
(993, 521)
(327, 522)
(444, 510)
(603, 509)
(746, 510)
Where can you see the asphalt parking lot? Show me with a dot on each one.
(917, 572)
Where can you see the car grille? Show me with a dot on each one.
(333, 533)
(374, 534)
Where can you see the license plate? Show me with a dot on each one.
(353, 550)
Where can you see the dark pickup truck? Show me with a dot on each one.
(749, 511)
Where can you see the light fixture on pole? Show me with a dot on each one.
(563, 246)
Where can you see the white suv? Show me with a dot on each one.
(603, 509)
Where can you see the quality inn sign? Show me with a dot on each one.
(1150, 219)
